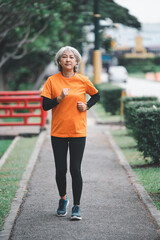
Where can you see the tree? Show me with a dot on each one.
(107, 44)
(118, 14)
(25, 26)
(29, 28)
(22, 22)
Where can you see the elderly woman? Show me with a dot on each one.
(65, 93)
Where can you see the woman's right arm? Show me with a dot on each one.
(51, 103)
(48, 103)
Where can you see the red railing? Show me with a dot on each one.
(24, 105)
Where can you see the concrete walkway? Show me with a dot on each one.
(111, 209)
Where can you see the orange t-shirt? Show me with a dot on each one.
(67, 120)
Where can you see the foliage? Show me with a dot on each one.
(30, 28)
(25, 71)
(157, 60)
(110, 97)
(143, 118)
(131, 108)
(107, 44)
(147, 173)
(132, 103)
(23, 22)
(147, 132)
(126, 100)
(140, 65)
(118, 14)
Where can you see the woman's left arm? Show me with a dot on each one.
(85, 106)
(93, 99)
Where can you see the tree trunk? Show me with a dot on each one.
(48, 71)
(2, 85)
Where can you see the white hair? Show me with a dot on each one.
(75, 52)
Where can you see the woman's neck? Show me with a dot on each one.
(68, 74)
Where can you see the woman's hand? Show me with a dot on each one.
(82, 106)
(63, 94)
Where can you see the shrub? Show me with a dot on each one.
(157, 60)
(143, 98)
(126, 100)
(134, 65)
(110, 97)
(147, 132)
(131, 108)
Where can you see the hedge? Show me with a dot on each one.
(110, 97)
(147, 132)
(127, 100)
(140, 65)
(131, 108)
(143, 98)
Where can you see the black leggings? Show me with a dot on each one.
(76, 149)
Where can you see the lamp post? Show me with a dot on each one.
(97, 60)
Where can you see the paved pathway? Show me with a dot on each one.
(110, 207)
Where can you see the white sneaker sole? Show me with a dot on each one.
(63, 215)
(76, 218)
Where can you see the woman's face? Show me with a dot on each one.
(68, 60)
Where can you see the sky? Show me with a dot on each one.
(147, 11)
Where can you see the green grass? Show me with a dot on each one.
(104, 116)
(149, 177)
(11, 174)
(129, 147)
(137, 75)
(4, 144)
(146, 172)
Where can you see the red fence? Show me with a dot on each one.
(23, 106)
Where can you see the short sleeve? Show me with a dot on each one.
(90, 88)
(47, 89)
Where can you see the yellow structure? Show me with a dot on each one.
(82, 67)
(97, 63)
(123, 94)
(139, 45)
(139, 50)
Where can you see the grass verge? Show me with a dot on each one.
(104, 116)
(4, 144)
(147, 173)
(137, 75)
(11, 174)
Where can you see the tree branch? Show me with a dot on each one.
(3, 19)
(25, 40)
(37, 35)
(2, 5)
(16, 57)
(4, 60)
(8, 55)
(4, 34)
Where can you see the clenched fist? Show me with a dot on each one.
(82, 106)
(63, 94)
